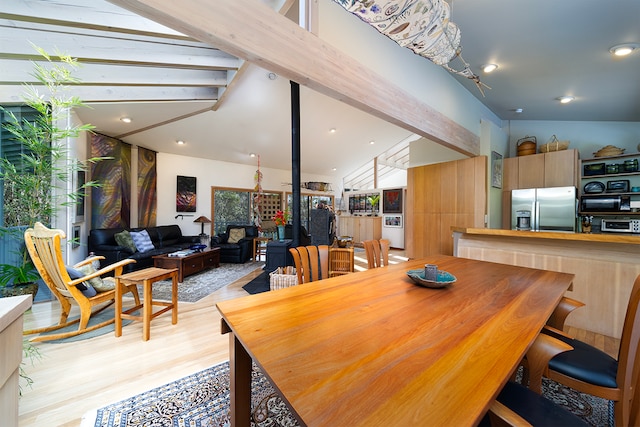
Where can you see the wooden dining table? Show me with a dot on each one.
(374, 349)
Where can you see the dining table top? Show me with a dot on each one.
(372, 348)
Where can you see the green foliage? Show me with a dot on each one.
(35, 187)
(30, 353)
(374, 199)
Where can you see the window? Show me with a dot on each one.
(238, 206)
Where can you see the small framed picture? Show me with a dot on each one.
(496, 169)
(393, 221)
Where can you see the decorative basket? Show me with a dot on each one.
(527, 146)
(554, 145)
(608, 151)
(283, 277)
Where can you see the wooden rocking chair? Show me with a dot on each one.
(44, 248)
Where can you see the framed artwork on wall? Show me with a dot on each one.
(186, 194)
(496, 170)
(392, 201)
(393, 221)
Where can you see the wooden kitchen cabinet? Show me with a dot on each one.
(554, 169)
(360, 228)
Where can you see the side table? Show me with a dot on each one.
(146, 278)
(260, 247)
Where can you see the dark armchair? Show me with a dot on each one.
(236, 244)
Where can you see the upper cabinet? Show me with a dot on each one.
(554, 169)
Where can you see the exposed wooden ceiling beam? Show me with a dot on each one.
(252, 31)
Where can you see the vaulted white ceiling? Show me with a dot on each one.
(177, 88)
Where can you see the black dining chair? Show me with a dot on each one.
(517, 405)
(594, 372)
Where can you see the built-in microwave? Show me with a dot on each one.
(611, 203)
(621, 225)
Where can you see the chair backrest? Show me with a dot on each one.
(44, 248)
(312, 262)
(340, 261)
(629, 361)
(377, 252)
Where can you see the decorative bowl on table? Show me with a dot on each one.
(443, 279)
(198, 248)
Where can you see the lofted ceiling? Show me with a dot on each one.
(177, 88)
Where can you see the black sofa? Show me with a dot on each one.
(165, 239)
(239, 252)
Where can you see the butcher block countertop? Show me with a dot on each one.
(585, 237)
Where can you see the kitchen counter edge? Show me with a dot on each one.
(585, 237)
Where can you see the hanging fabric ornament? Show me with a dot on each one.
(420, 25)
(257, 198)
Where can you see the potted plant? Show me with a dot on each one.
(35, 181)
(20, 279)
(374, 199)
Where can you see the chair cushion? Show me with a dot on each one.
(537, 410)
(235, 234)
(142, 241)
(585, 363)
(124, 239)
(98, 283)
(84, 287)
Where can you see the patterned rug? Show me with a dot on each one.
(202, 399)
(200, 285)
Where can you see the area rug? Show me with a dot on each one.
(200, 399)
(105, 314)
(198, 286)
(258, 285)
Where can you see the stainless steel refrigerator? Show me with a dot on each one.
(549, 209)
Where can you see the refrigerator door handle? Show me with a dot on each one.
(536, 222)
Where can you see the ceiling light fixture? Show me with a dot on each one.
(334, 169)
(566, 99)
(180, 142)
(623, 49)
(125, 119)
(272, 76)
(518, 110)
(372, 142)
(487, 68)
(252, 154)
(332, 130)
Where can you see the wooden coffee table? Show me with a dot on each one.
(190, 264)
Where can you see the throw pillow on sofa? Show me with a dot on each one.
(124, 239)
(235, 235)
(142, 240)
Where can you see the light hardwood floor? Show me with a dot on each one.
(72, 379)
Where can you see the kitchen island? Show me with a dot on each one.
(605, 266)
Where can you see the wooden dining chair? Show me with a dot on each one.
(519, 405)
(377, 252)
(591, 371)
(44, 248)
(341, 261)
(311, 262)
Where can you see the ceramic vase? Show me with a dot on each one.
(281, 233)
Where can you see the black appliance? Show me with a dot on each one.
(611, 203)
(618, 186)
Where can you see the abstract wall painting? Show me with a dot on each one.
(186, 194)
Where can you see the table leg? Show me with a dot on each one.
(146, 310)
(240, 366)
(174, 299)
(118, 308)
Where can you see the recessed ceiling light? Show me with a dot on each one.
(372, 142)
(252, 154)
(125, 119)
(487, 68)
(332, 130)
(272, 76)
(334, 169)
(623, 49)
(518, 110)
(566, 99)
(180, 142)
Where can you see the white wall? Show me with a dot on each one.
(211, 173)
